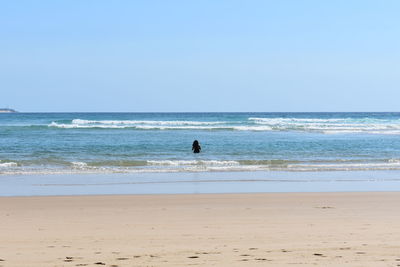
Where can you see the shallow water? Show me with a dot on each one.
(199, 182)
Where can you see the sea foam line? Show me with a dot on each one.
(145, 122)
(159, 127)
(389, 130)
(8, 164)
(325, 120)
(325, 126)
(192, 162)
(198, 166)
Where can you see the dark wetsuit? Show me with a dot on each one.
(196, 147)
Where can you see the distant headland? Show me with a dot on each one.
(7, 110)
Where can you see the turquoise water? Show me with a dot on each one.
(64, 143)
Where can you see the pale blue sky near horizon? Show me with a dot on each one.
(161, 56)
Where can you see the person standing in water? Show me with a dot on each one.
(196, 147)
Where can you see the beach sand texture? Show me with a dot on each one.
(281, 229)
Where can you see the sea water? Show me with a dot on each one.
(138, 143)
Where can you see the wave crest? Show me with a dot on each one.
(8, 164)
(325, 126)
(331, 125)
(144, 166)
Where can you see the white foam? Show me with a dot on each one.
(156, 127)
(252, 128)
(300, 120)
(171, 162)
(8, 164)
(193, 162)
(84, 126)
(331, 125)
(80, 125)
(391, 165)
(78, 164)
(144, 122)
(325, 126)
(201, 166)
(139, 124)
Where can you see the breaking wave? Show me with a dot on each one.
(8, 164)
(325, 126)
(145, 166)
(139, 124)
(331, 125)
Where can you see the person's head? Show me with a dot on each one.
(195, 143)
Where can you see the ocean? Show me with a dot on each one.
(65, 143)
(146, 153)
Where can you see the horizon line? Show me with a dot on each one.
(206, 111)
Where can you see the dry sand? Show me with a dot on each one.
(295, 229)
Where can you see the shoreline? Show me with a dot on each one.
(199, 183)
(205, 196)
(274, 229)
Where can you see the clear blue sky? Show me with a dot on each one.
(208, 55)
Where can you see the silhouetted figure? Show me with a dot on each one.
(196, 147)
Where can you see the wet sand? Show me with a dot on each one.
(272, 229)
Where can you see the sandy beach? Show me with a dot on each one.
(275, 229)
